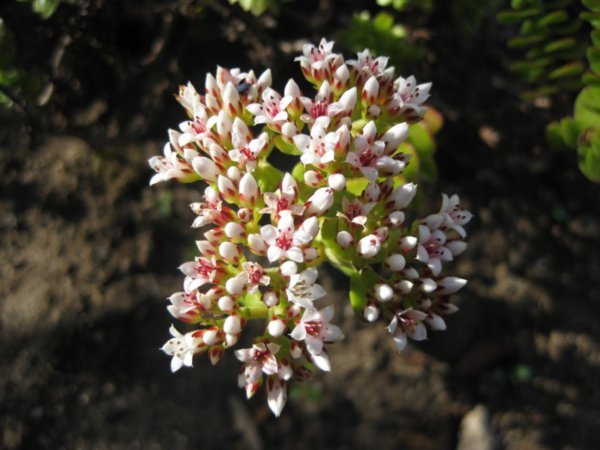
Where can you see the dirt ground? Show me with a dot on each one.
(88, 254)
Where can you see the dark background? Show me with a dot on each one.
(88, 252)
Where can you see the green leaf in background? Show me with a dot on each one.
(286, 147)
(257, 7)
(587, 107)
(554, 137)
(568, 70)
(356, 185)
(509, 16)
(358, 293)
(552, 18)
(593, 5)
(570, 130)
(593, 55)
(589, 161)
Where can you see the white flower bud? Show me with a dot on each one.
(234, 174)
(319, 202)
(231, 339)
(206, 168)
(295, 350)
(312, 178)
(257, 244)
(244, 214)
(407, 243)
(289, 130)
(371, 313)
(369, 246)
(395, 136)
(450, 285)
(248, 190)
(227, 188)
(270, 299)
(288, 268)
(337, 182)
(232, 324)
(234, 231)
(404, 286)
(210, 337)
(229, 252)
(226, 304)
(370, 90)
(403, 195)
(396, 262)
(344, 239)
(372, 193)
(435, 322)
(235, 285)
(276, 327)
(383, 292)
(395, 218)
(428, 285)
(310, 254)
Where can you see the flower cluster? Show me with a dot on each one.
(265, 232)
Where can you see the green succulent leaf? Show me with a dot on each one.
(587, 107)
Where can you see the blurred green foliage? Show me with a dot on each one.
(10, 77)
(258, 7)
(382, 36)
(558, 59)
(45, 8)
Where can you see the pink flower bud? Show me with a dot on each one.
(276, 327)
(248, 190)
(337, 182)
(232, 324)
(396, 262)
(245, 215)
(344, 239)
(227, 189)
(319, 202)
(370, 91)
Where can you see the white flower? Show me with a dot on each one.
(270, 112)
(410, 96)
(284, 199)
(182, 348)
(320, 202)
(199, 272)
(315, 330)
(317, 149)
(432, 250)
(355, 212)
(257, 360)
(302, 289)
(276, 394)
(451, 216)
(246, 150)
(285, 241)
(408, 322)
(174, 164)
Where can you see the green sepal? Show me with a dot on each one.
(267, 176)
(286, 147)
(253, 307)
(356, 186)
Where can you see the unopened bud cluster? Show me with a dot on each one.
(266, 232)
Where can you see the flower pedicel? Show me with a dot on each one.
(344, 203)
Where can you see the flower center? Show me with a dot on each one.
(284, 241)
(367, 157)
(318, 109)
(313, 328)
